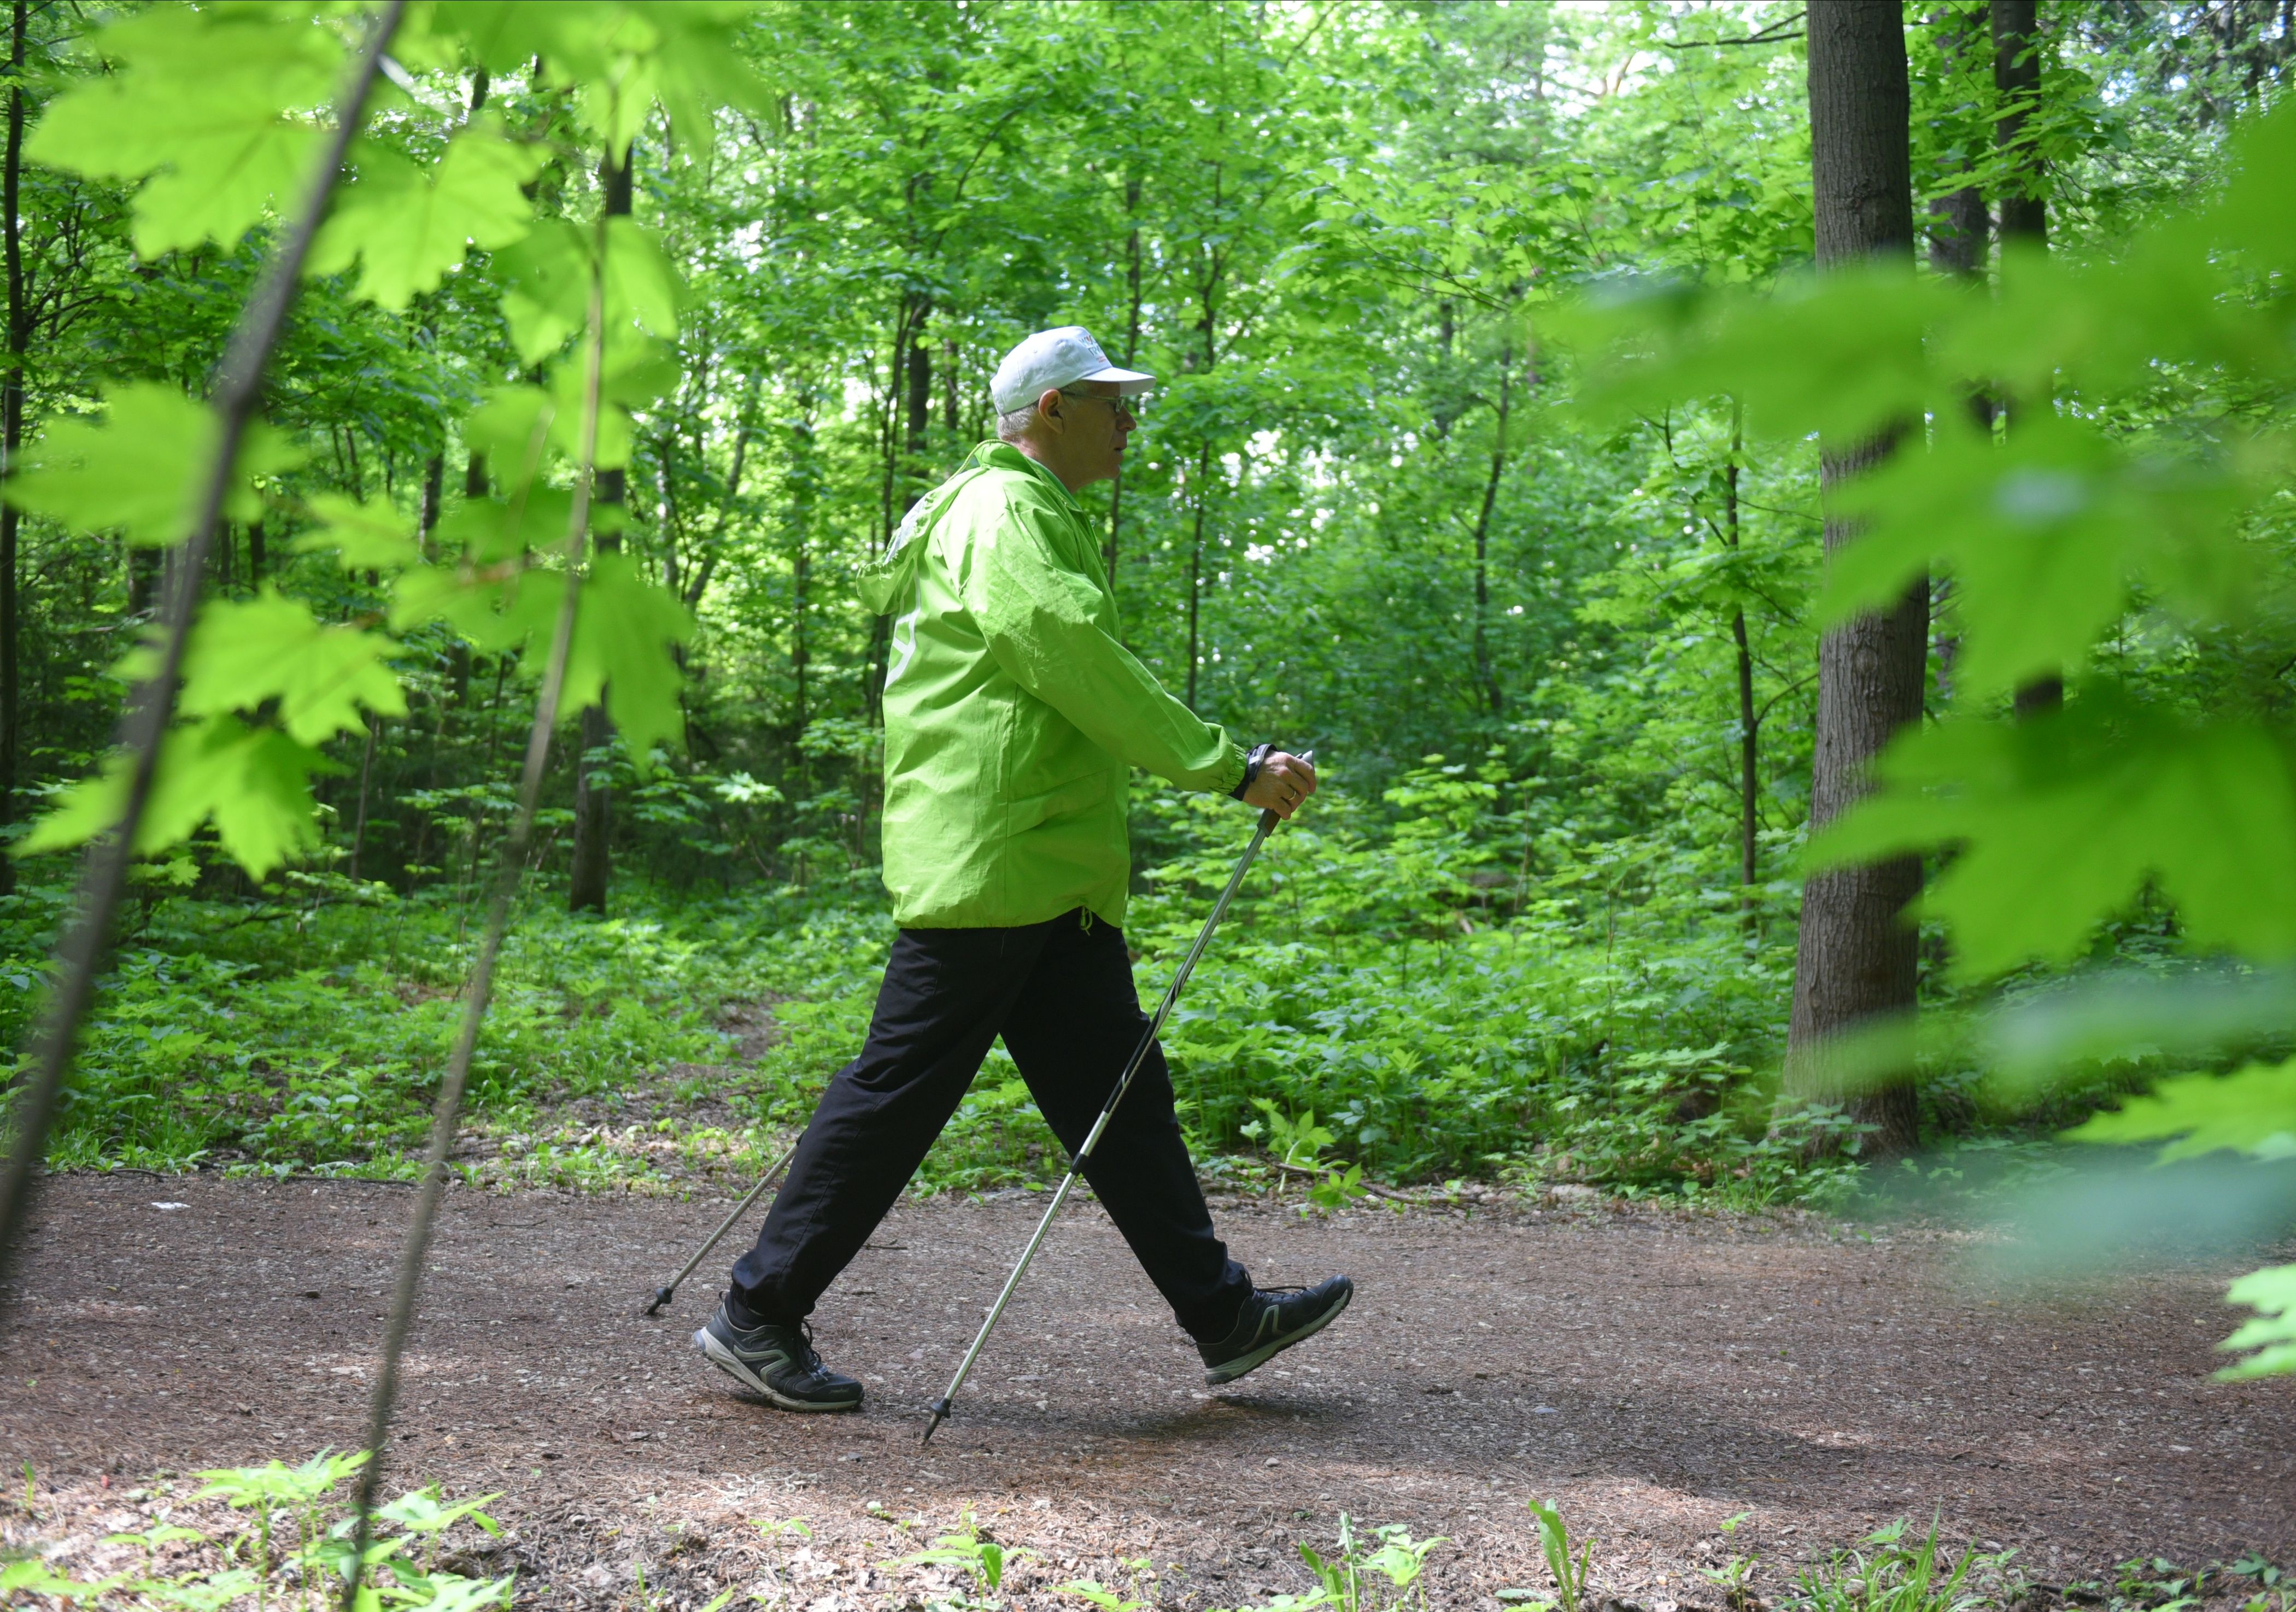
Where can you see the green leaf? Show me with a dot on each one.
(207, 101)
(2041, 535)
(2253, 1110)
(243, 655)
(487, 532)
(548, 285)
(254, 783)
(372, 535)
(2061, 823)
(408, 225)
(2272, 1334)
(512, 427)
(139, 469)
(623, 630)
(545, 295)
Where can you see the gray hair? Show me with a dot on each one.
(1013, 423)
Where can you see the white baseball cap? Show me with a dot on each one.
(1051, 359)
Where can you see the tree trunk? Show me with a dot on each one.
(804, 472)
(12, 430)
(1749, 722)
(2024, 210)
(1855, 961)
(2016, 83)
(1131, 351)
(920, 412)
(366, 775)
(1486, 679)
(593, 853)
(1196, 569)
(434, 489)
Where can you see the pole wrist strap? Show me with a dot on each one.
(1253, 761)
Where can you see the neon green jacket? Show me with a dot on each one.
(1013, 715)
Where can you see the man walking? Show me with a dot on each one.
(1012, 719)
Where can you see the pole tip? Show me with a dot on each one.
(940, 1409)
(661, 1296)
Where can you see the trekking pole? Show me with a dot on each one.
(662, 1296)
(947, 1403)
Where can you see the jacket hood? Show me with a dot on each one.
(884, 581)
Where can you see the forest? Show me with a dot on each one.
(1777, 522)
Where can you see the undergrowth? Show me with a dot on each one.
(280, 1540)
(1441, 997)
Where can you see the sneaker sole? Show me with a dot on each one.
(1268, 1351)
(718, 1355)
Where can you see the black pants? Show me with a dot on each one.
(1061, 995)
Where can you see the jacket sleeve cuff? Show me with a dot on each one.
(1247, 767)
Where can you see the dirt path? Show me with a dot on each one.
(1653, 1374)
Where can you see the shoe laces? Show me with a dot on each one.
(806, 1357)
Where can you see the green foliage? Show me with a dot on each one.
(1554, 1542)
(1395, 1556)
(2140, 465)
(1901, 1577)
(972, 1553)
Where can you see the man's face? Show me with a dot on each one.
(1098, 425)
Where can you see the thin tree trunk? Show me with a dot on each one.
(948, 387)
(434, 489)
(1750, 724)
(1131, 351)
(366, 774)
(920, 422)
(12, 430)
(2024, 212)
(1855, 963)
(1196, 569)
(593, 853)
(257, 560)
(804, 472)
(1484, 676)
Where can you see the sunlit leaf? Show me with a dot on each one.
(204, 99)
(253, 784)
(138, 469)
(2061, 823)
(408, 225)
(372, 535)
(2253, 1110)
(623, 631)
(2272, 1334)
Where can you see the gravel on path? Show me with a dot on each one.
(1653, 1374)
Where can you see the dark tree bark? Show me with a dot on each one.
(920, 412)
(2025, 209)
(434, 489)
(1960, 229)
(1486, 679)
(1855, 963)
(1750, 720)
(593, 853)
(1131, 351)
(2016, 82)
(804, 472)
(1196, 569)
(12, 430)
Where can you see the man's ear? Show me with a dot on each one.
(1048, 407)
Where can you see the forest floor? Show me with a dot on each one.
(1653, 1373)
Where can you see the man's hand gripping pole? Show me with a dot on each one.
(947, 1403)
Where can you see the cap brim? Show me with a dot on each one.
(1128, 382)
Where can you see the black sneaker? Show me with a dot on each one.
(778, 1363)
(1274, 1319)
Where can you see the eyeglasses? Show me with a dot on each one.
(1117, 404)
